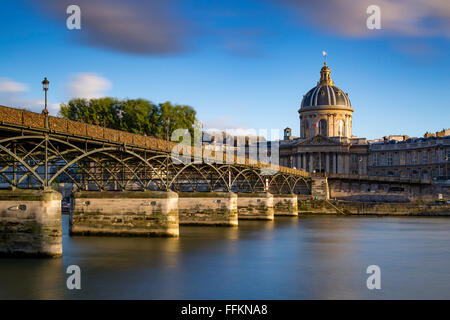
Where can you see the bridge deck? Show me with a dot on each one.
(23, 119)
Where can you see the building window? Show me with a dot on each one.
(402, 158)
(424, 157)
(354, 158)
(340, 126)
(389, 159)
(323, 127)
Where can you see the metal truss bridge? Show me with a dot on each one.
(37, 151)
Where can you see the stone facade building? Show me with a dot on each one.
(326, 143)
(426, 157)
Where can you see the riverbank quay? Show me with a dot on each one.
(340, 207)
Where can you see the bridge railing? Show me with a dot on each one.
(32, 120)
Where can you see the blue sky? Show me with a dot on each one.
(240, 64)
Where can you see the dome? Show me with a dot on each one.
(325, 94)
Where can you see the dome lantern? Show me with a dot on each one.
(325, 76)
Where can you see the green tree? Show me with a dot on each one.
(181, 116)
(138, 116)
(133, 115)
(101, 112)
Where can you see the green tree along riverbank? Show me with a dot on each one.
(133, 115)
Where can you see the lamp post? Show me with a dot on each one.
(168, 149)
(45, 84)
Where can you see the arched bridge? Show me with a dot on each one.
(37, 151)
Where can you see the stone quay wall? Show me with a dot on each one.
(415, 208)
(208, 208)
(127, 213)
(319, 188)
(30, 223)
(413, 191)
(255, 206)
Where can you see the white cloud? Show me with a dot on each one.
(418, 18)
(232, 127)
(88, 85)
(53, 108)
(8, 86)
(222, 123)
(12, 95)
(133, 26)
(81, 85)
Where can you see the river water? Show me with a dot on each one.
(314, 257)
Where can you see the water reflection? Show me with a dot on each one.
(31, 279)
(289, 258)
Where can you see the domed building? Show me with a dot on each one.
(326, 143)
(325, 109)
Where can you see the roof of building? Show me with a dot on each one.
(325, 93)
(406, 141)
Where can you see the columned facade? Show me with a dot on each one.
(330, 159)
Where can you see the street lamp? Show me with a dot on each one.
(168, 148)
(45, 84)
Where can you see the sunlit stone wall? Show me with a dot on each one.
(208, 208)
(133, 213)
(30, 223)
(255, 206)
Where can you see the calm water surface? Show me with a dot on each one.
(291, 258)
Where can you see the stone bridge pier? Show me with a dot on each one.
(255, 206)
(30, 223)
(285, 204)
(208, 208)
(133, 213)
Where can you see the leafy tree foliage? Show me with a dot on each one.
(132, 115)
